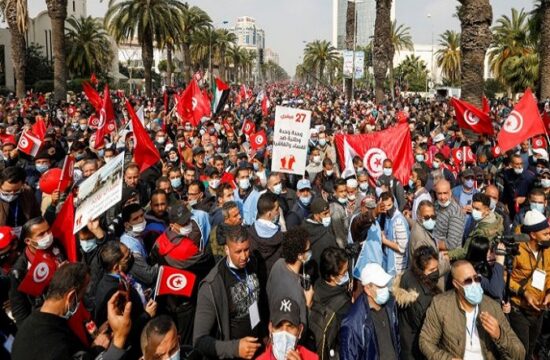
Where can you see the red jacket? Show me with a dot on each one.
(304, 353)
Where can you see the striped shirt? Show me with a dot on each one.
(449, 226)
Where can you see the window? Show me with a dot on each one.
(247, 39)
(74, 6)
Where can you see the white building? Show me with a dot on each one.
(366, 16)
(271, 55)
(248, 34)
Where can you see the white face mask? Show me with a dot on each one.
(316, 159)
(186, 230)
(444, 204)
(545, 183)
(8, 197)
(176, 355)
(329, 172)
(277, 189)
(138, 228)
(44, 242)
(244, 183)
(364, 186)
(283, 342)
(326, 221)
(214, 183)
(387, 171)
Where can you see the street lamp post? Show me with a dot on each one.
(354, 48)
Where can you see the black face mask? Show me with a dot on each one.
(390, 212)
(4, 257)
(544, 245)
(433, 277)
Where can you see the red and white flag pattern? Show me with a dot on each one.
(172, 281)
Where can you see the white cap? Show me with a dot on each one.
(374, 274)
(543, 153)
(313, 131)
(352, 183)
(439, 137)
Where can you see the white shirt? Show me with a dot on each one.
(473, 346)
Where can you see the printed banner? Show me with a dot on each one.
(99, 192)
(290, 140)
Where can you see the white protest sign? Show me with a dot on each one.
(99, 192)
(290, 140)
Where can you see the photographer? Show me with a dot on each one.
(530, 283)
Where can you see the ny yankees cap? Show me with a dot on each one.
(285, 309)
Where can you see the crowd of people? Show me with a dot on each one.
(452, 264)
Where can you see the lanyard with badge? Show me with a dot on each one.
(253, 310)
(538, 276)
(469, 331)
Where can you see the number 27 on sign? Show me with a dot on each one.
(300, 117)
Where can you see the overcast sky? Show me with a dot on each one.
(287, 23)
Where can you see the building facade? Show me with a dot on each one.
(248, 34)
(366, 16)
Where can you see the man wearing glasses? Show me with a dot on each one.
(465, 324)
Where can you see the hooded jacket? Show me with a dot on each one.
(413, 299)
(265, 242)
(489, 227)
(320, 237)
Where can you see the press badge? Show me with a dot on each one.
(254, 314)
(539, 279)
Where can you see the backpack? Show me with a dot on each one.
(323, 323)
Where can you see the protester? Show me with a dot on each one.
(449, 227)
(370, 328)
(464, 323)
(159, 339)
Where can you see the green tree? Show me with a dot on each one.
(38, 66)
(15, 13)
(511, 38)
(401, 40)
(149, 21)
(412, 73)
(88, 47)
(475, 38)
(539, 31)
(318, 53)
(448, 56)
(193, 20)
(224, 40)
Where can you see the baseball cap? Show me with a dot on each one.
(468, 172)
(319, 205)
(543, 153)
(303, 184)
(179, 214)
(374, 274)
(286, 309)
(6, 236)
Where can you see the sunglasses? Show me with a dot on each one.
(469, 281)
(433, 217)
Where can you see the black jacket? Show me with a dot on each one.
(47, 336)
(266, 249)
(413, 299)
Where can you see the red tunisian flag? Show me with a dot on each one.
(145, 152)
(258, 140)
(248, 127)
(266, 104)
(62, 228)
(539, 142)
(470, 117)
(29, 144)
(67, 171)
(523, 123)
(393, 143)
(485, 106)
(77, 323)
(193, 105)
(174, 281)
(39, 128)
(546, 121)
(93, 96)
(463, 154)
(39, 275)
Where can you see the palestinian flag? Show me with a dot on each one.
(221, 93)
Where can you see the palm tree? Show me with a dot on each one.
(150, 21)
(520, 72)
(224, 40)
(383, 48)
(193, 20)
(448, 56)
(200, 47)
(413, 72)
(539, 30)
(511, 39)
(88, 46)
(475, 21)
(401, 40)
(57, 11)
(319, 53)
(15, 14)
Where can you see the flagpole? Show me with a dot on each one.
(159, 276)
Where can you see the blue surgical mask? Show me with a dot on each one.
(429, 224)
(477, 215)
(326, 221)
(436, 164)
(306, 200)
(364, 186)
(469, 183)
(493, 204)
(473, 293)
(387, 171)
(42, 168)
(72, 309)
(411, 183)
(545, 183)
(88, 245)
(419, 157)
(344, 279)
(176, 355)
(322, 142)
(382, 295)
(244, 183)
(101, 153)
(277, 189)
(256, 166)
(308, 256)
(538, 207)
(176, 182)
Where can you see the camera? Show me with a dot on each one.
(305, 281)
(353, 250)
(511, 244)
